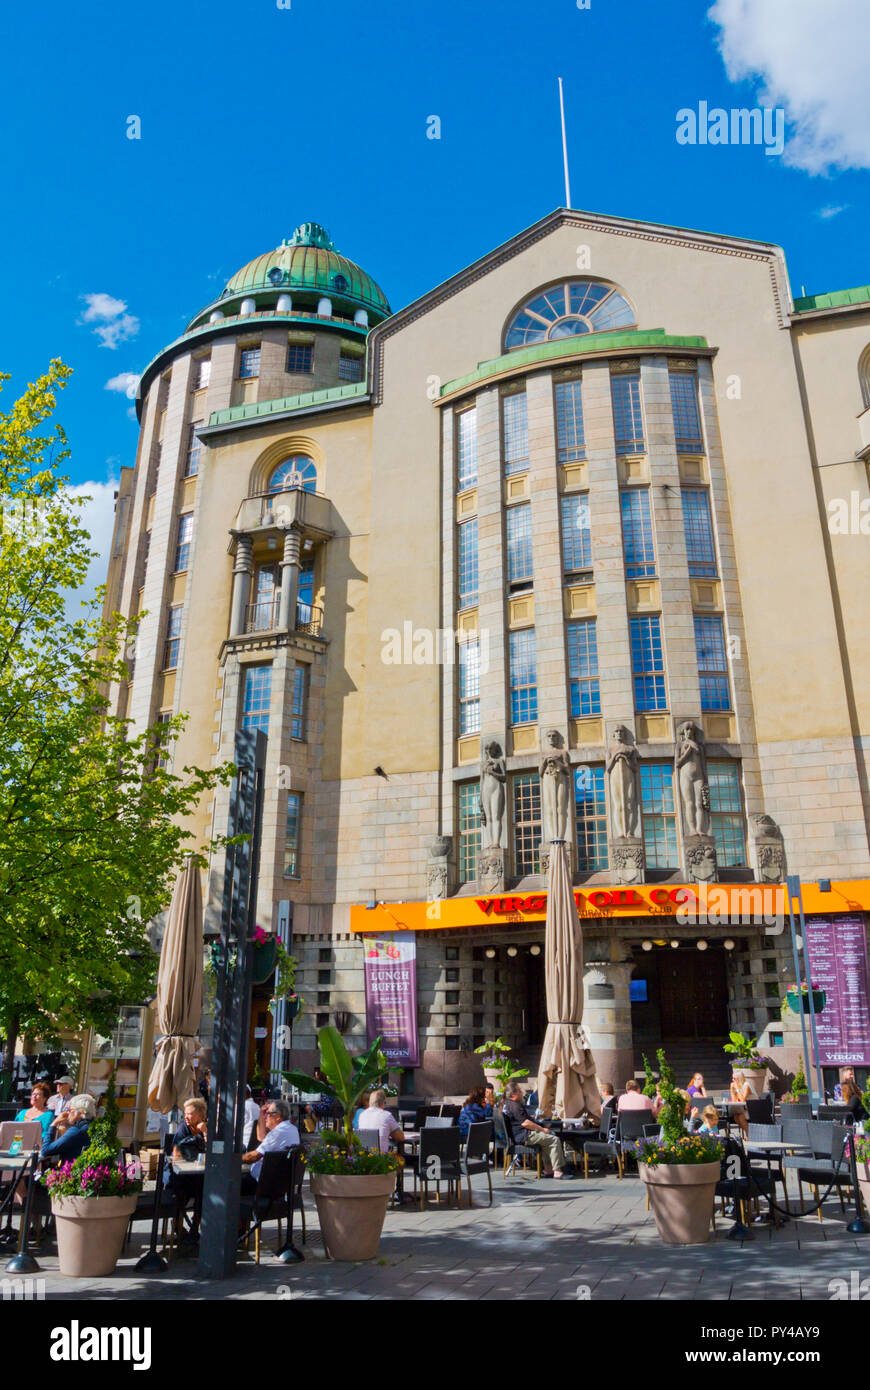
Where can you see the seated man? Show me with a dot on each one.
(74, 1140)
(634, 1098)
(525, 1130)
(280, 1135)
(376, 1117)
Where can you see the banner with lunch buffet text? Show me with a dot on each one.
(391, 996)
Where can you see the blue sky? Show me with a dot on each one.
(256, 118)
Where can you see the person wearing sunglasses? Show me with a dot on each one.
(280, 1134)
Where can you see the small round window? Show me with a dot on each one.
(298, 471)
(579, 306)
(340, 283)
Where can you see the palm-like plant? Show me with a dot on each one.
(347, 1078)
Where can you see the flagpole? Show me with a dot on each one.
(564, 144)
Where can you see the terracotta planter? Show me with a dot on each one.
(351, 1210)
(90, 1232)
(681, 1196)
(863, 1172)
(492, 1075)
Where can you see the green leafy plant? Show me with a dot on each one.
(347, 1080)
(799, 1085)
(497, 1058)
(689, 1148)
(744, 1051)
(649, 1088)
(673, 1111)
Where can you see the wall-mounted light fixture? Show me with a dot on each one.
(702, 945)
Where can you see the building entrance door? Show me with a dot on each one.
(536, 1000)
(693, 994)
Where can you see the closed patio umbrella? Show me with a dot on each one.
(566, 1075)
(179, 996)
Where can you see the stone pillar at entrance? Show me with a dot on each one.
(607, 1017)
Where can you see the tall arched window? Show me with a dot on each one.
(864, 375)
(297, 471)
(577, 306)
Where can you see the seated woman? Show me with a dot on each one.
(741, 1091)
(38, 1109)
(474, 1110)
(853, 1099)
(81, 1110)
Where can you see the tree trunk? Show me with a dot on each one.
(8, 1063)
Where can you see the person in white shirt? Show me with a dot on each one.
(252, 1115)
(281, 1134)
(377, 1118)
(60, 1102)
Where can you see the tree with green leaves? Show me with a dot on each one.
(347, 1078)
(92, 828)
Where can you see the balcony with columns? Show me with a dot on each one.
(282, 530)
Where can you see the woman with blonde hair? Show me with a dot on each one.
(741, 1091)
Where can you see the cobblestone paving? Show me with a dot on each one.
(539, 1240)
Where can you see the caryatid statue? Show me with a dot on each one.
(555, 773)
(690, 764)
(622, 765)
(493, 799)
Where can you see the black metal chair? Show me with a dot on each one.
(772, 1161)
(514, 1149)
(828, 1164)
(837, 1113)
(631, 1127)
(607, 1145)
(760, 1112)
(438, 1162)
(439, 1122)
(370, 1139)
(745, 1185)
(274, 1196)
(476, 1156)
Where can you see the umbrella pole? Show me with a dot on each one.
(151, 1262)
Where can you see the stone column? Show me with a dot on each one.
(242, 571)
(607, 1015)
(289, 567)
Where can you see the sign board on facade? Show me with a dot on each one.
(390, 967)
(836, 950)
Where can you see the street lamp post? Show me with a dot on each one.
(223, 1163)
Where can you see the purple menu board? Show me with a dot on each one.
(391, 996)
(836, 955)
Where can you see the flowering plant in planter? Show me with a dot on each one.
(495, 1056)
(744, 1053)
(117, 1179)
(334, 1155)
(690, 1148)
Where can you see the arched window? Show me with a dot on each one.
(577, 306)
(297, 471)
(864, 376)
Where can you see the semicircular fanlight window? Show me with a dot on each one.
(297, 471)
(564, 311)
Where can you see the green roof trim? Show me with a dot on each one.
(256, 410)
(569, 347)
(834, 299)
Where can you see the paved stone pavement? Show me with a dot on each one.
(540, 1240)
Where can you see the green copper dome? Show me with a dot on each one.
(308, 261)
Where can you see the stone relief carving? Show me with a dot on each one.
(493, 801)
(438, 867)
(628, 863)
(555, 774)
(622, 764)
(490, 870)
(701, 859)
(690, 765)
(769, 847)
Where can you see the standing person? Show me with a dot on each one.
(252, 1115)
(376, 1117)
(634, 1098)
(63, 1095)
(38, 1108)
(525, 1130)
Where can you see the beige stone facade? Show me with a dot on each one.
(374, 538)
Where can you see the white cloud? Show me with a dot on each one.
(832, 210)
(810, 57)
(125, 383)
(111, 322)
(98, 517)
